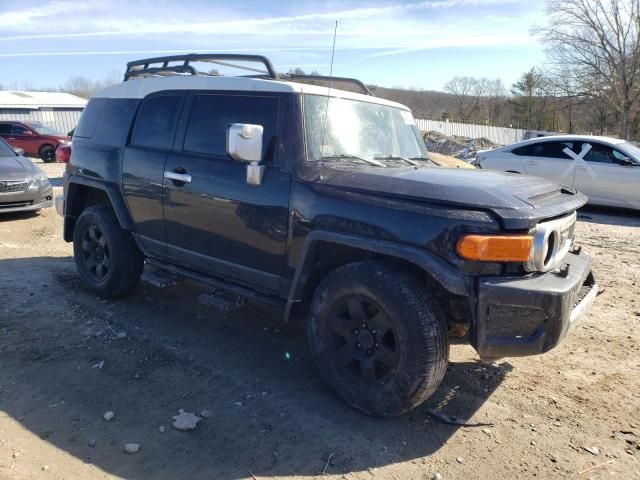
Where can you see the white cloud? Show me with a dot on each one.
(95, 27)
(118, 20)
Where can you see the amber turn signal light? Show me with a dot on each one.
(495, 248)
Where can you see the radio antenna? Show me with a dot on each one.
(326, 111)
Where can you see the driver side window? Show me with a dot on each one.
(600, 154)
(17, 129)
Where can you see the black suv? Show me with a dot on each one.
(322, 202)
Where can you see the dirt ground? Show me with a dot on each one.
(67, 357)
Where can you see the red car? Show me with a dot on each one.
(36, 139)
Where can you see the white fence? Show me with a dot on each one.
(499, 135)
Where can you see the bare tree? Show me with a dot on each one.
(85, 87)
(495, 97)
(467, 92)
(595, 44)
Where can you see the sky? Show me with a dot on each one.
(410, 44)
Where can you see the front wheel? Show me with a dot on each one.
(377, 339)
(107, 258)
(48, 154)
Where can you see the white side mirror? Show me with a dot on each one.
(244, 142)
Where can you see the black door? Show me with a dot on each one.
(143, 167)
(215, 222)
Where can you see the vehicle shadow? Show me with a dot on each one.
(17, 216)
(270, 414)
(609, 216)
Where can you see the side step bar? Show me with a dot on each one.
(218, 284)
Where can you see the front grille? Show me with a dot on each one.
(11, 187)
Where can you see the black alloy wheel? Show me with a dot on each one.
(363, 339)
(95, 253)
(48, 154)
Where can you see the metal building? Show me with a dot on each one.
(55, 109)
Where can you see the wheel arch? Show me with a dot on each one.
(82, 193)
(324, 251)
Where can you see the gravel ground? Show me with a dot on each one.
(67, 357)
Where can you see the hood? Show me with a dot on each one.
(16, 168)
(519, 201)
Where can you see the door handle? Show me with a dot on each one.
(531, 162)
(12, 138)
(177, 177)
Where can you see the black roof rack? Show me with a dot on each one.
(160, 66)
(181, 65)
(322, 78)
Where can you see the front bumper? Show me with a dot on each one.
(530, 315)
(27, 200)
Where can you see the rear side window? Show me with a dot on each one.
(545, 149)
(156, 121)
(90, 117)
(212, 115)
(5, 128)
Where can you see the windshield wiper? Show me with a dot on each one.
(398, 157)
(344, 156)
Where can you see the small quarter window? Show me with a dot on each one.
(156, 121)
(89, 118)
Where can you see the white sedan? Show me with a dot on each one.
(606, 169)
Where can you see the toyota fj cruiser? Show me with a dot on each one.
(322, 202)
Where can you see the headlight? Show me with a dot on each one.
(37, 181)
(551, 242)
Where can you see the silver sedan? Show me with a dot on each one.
(23, 186)
(606, 169)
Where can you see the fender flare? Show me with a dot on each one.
(115, 198)
(451, 279)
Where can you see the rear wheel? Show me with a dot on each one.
(47, 153)
(106, 256)
(377, 339)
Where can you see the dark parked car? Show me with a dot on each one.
(23, 186)
(322, 203)
(36, 139)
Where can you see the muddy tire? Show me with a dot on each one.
(107, 258)
(377, 338)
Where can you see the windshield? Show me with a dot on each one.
(631, 150)
(6, 150)
(44, 130)
(360, 130)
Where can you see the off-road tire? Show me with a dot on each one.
(419, 346)
(99, 229)
(47, 153)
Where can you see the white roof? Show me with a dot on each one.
(569, 138)
(140, 88)
(35, 100)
